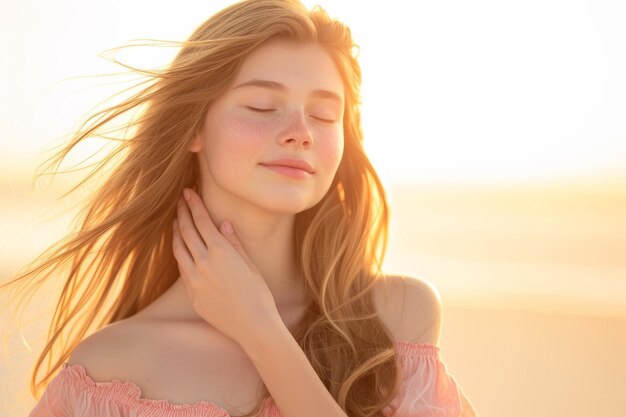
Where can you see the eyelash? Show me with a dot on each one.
(268, 110)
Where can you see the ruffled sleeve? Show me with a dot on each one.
(427, 390)
(73, 393)
(58, 400)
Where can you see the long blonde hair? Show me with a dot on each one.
(121, 256)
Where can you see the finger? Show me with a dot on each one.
(189, 233)
(207, 229)
(183, 258)
(232, 238)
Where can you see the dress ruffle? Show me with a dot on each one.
(427, 390)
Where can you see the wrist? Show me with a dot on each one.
(262, 334)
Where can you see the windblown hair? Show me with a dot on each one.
(121, 255)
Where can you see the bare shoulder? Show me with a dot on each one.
(411, 308)
(108, 350)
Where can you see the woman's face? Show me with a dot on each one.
(302, 118)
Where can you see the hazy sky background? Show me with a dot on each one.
(454, 91)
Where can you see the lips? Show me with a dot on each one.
(291, 163)
(289, 171)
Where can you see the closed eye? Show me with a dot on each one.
(324, 120)
(260, 110)
(270, 110)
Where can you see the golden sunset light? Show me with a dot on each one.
(497, 128)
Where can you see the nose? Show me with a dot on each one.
(297, 131)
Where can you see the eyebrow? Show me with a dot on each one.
(273, 85)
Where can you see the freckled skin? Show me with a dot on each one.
(236, 139)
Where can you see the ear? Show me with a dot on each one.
(196, 144)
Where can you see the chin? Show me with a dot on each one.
(288, 208)
(288, 204)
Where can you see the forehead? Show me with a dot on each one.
(301, 67)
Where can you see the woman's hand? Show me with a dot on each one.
(224, 286)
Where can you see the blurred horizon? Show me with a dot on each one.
(551, 247)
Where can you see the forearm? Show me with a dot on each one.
(294, 385)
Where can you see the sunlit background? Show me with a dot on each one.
(499, 128)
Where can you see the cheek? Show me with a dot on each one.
(243, 135)
(330, 150)
(234, 142)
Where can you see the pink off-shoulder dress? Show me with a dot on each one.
(427, 391)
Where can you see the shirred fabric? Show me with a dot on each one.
(427, 390)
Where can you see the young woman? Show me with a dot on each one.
(230, 265)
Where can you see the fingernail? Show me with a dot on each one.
(187, 194)
(228, 227)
